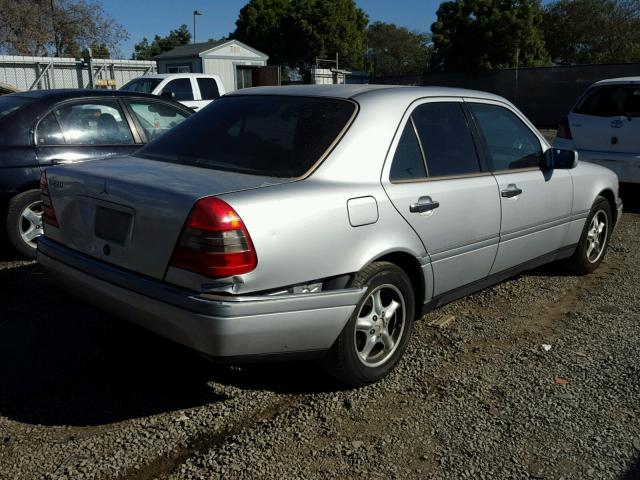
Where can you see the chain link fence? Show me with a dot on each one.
(544, 95)
(38, 73)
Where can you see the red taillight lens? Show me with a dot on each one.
(48, 214)
(214, 241)
(563, 129)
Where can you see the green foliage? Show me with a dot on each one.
(294, 32)
(593, 31)
(57, 27)
(395, 50)
(146, 51)
(471, 35)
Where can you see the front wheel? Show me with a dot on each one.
(377, 333)
(594, 241)
(24, 222)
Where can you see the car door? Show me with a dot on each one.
(209, 90)
(436, 181)
(608, 120)
(153, 118)
(183, 90)
(535, 202)
(84, 129)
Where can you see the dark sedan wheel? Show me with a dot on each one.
(594, 240)
(377, 333)
(24, 222)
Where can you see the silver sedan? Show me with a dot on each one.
(321, 221)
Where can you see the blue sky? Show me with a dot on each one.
(147, 17)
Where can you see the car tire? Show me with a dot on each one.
(372, 341)
(594, 240)
(24, 222)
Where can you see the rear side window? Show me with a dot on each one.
(276, 136)
(156, 118)
(142, 85)
(509, 142)
(181, 87)
(446, 139)
(9, 104)
(208, 88)
(611, 101)
(408, 163)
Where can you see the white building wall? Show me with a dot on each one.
(226, 68)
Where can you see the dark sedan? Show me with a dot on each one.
(48, 127)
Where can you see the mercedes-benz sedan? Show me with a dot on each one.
(322, 220)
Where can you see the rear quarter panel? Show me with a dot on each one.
(301, 232)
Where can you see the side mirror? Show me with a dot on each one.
(168, 94)
(561, 159)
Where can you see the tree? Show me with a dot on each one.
(294, 32)
(593, 31)
(476, 35)
(56, 27)
(395, 50)
(146, 51)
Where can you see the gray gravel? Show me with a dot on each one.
(84, 395)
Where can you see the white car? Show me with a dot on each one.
(194, 90)
(604, 127)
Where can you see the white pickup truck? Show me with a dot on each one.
(194, 90)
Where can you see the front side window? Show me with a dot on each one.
(156, 118)
(509, 142)
(446, 139)
(142, 85)
(181, 87)
(612, 101)
(408, 163)
(275, 136)
(208, 88)
(93, 123)
(49, 132)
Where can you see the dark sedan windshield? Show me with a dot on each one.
(142, 85)
(10, 103)
(275, 136)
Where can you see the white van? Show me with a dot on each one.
(194, 90)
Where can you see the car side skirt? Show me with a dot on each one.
(493, 279)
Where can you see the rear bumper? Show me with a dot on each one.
(216, 325)
(625, 165)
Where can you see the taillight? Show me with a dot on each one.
(48, 214)
(563, 129)
(214, 241)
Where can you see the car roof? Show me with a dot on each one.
(354, 91)
(170, 75)
(618, 81)
(64, 93)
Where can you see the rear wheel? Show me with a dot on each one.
(594, 241)
(377, 333)
(24, 222)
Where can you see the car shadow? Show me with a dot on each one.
(630, 195)
(63, 362)
(634, 471)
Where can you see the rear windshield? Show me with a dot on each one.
(142, 85)
(612, 101)
(9, 104)
(275, 136)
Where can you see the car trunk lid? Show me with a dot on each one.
(130, 211)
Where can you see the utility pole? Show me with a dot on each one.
(196, 13)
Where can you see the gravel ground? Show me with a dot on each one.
(84, 395)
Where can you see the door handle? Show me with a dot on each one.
(424, 204)
(512, 190)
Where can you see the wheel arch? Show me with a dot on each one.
(611, 198)
(414, 271)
